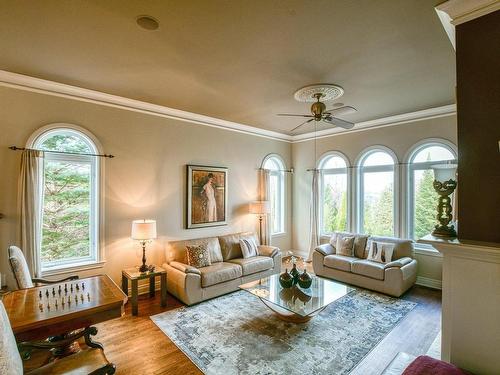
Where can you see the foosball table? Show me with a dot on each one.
(45, 311)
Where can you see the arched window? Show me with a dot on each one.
(422, 199)
(70, 209)
(334, 191)
(276, 168)
(377, 189)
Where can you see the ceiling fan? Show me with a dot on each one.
(315, 93)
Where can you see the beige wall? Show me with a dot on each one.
(147, 176)
(398, 138)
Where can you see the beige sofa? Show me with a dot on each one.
(228, 270)
(392, 278)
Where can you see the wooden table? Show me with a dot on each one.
(134, 275)
(98, 299)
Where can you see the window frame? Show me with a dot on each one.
(96, 258)
(411, 167)
(361, 170)
(334, 171)
(281, 188)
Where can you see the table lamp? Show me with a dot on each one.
(260, 208)
(144, 231)
(445, 182)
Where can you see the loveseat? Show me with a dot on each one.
(228, 269)
(392, 278)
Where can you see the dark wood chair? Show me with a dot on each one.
(21, 271)
(90, 361)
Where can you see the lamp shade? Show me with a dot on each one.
(143, 230)
(445, 172)
(260, 207)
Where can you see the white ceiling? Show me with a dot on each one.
(238, 60)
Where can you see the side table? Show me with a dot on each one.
(134, 275)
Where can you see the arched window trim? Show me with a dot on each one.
(98, 192)
(409, 168)
(282, 188)
(348, 171)
(363, 155)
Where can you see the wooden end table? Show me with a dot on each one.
(134, 275)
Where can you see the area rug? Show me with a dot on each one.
(238, 334)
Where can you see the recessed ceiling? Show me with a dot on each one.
(241, 60)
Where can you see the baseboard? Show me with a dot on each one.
(429, 283)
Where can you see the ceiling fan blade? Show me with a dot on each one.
(338, 122)
(341, 111)
(293, 115)
(305, 122)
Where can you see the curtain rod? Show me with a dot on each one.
(14, 148)
(279, 170)
(383, 165)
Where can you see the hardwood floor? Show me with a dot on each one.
(136, 346)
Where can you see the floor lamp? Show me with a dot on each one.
(261, 209)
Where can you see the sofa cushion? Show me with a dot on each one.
(345, 246)
(402, 248)
(230, 245)
(218, 273)
(254, 264)
(248, 247)
(359, 242)
(339, 262)
(368, 268)
(176, 250)
(198, 256)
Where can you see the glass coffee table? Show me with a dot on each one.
(296, 304)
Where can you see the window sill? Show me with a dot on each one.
(59, 270)
(277, 235)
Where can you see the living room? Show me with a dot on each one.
(272, 169)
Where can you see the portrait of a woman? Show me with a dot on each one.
(207, 196)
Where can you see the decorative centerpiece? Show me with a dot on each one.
(286, 280)
(305, 280)
(294, 272)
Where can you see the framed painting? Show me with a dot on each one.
(206, 196)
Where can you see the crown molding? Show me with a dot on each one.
(28, 83)
(38, 85)
(455, 12)
(426, 114)
(460, 11)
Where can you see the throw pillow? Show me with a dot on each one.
(380, 252)
(249, 247)
(345, 245)
(198, 256)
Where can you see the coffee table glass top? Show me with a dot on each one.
(303, 302)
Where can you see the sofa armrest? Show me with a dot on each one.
(401, 262)
(185, 268)
(325, 249)
(269, 251)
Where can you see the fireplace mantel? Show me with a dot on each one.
(471, 303)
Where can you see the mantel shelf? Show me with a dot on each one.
(485, 251)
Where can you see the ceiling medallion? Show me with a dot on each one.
(326, 90)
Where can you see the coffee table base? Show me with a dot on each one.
(289, 316)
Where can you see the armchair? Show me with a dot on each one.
(22, 274)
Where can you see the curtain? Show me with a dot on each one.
(265, 195)
(30, 204)
(314, 213)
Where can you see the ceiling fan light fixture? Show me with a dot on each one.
(325, 91)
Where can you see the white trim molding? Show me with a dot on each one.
(461, 11)
(429, 283)
(38, 85)
(455, 12)
(43, 86)
(426, 114)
